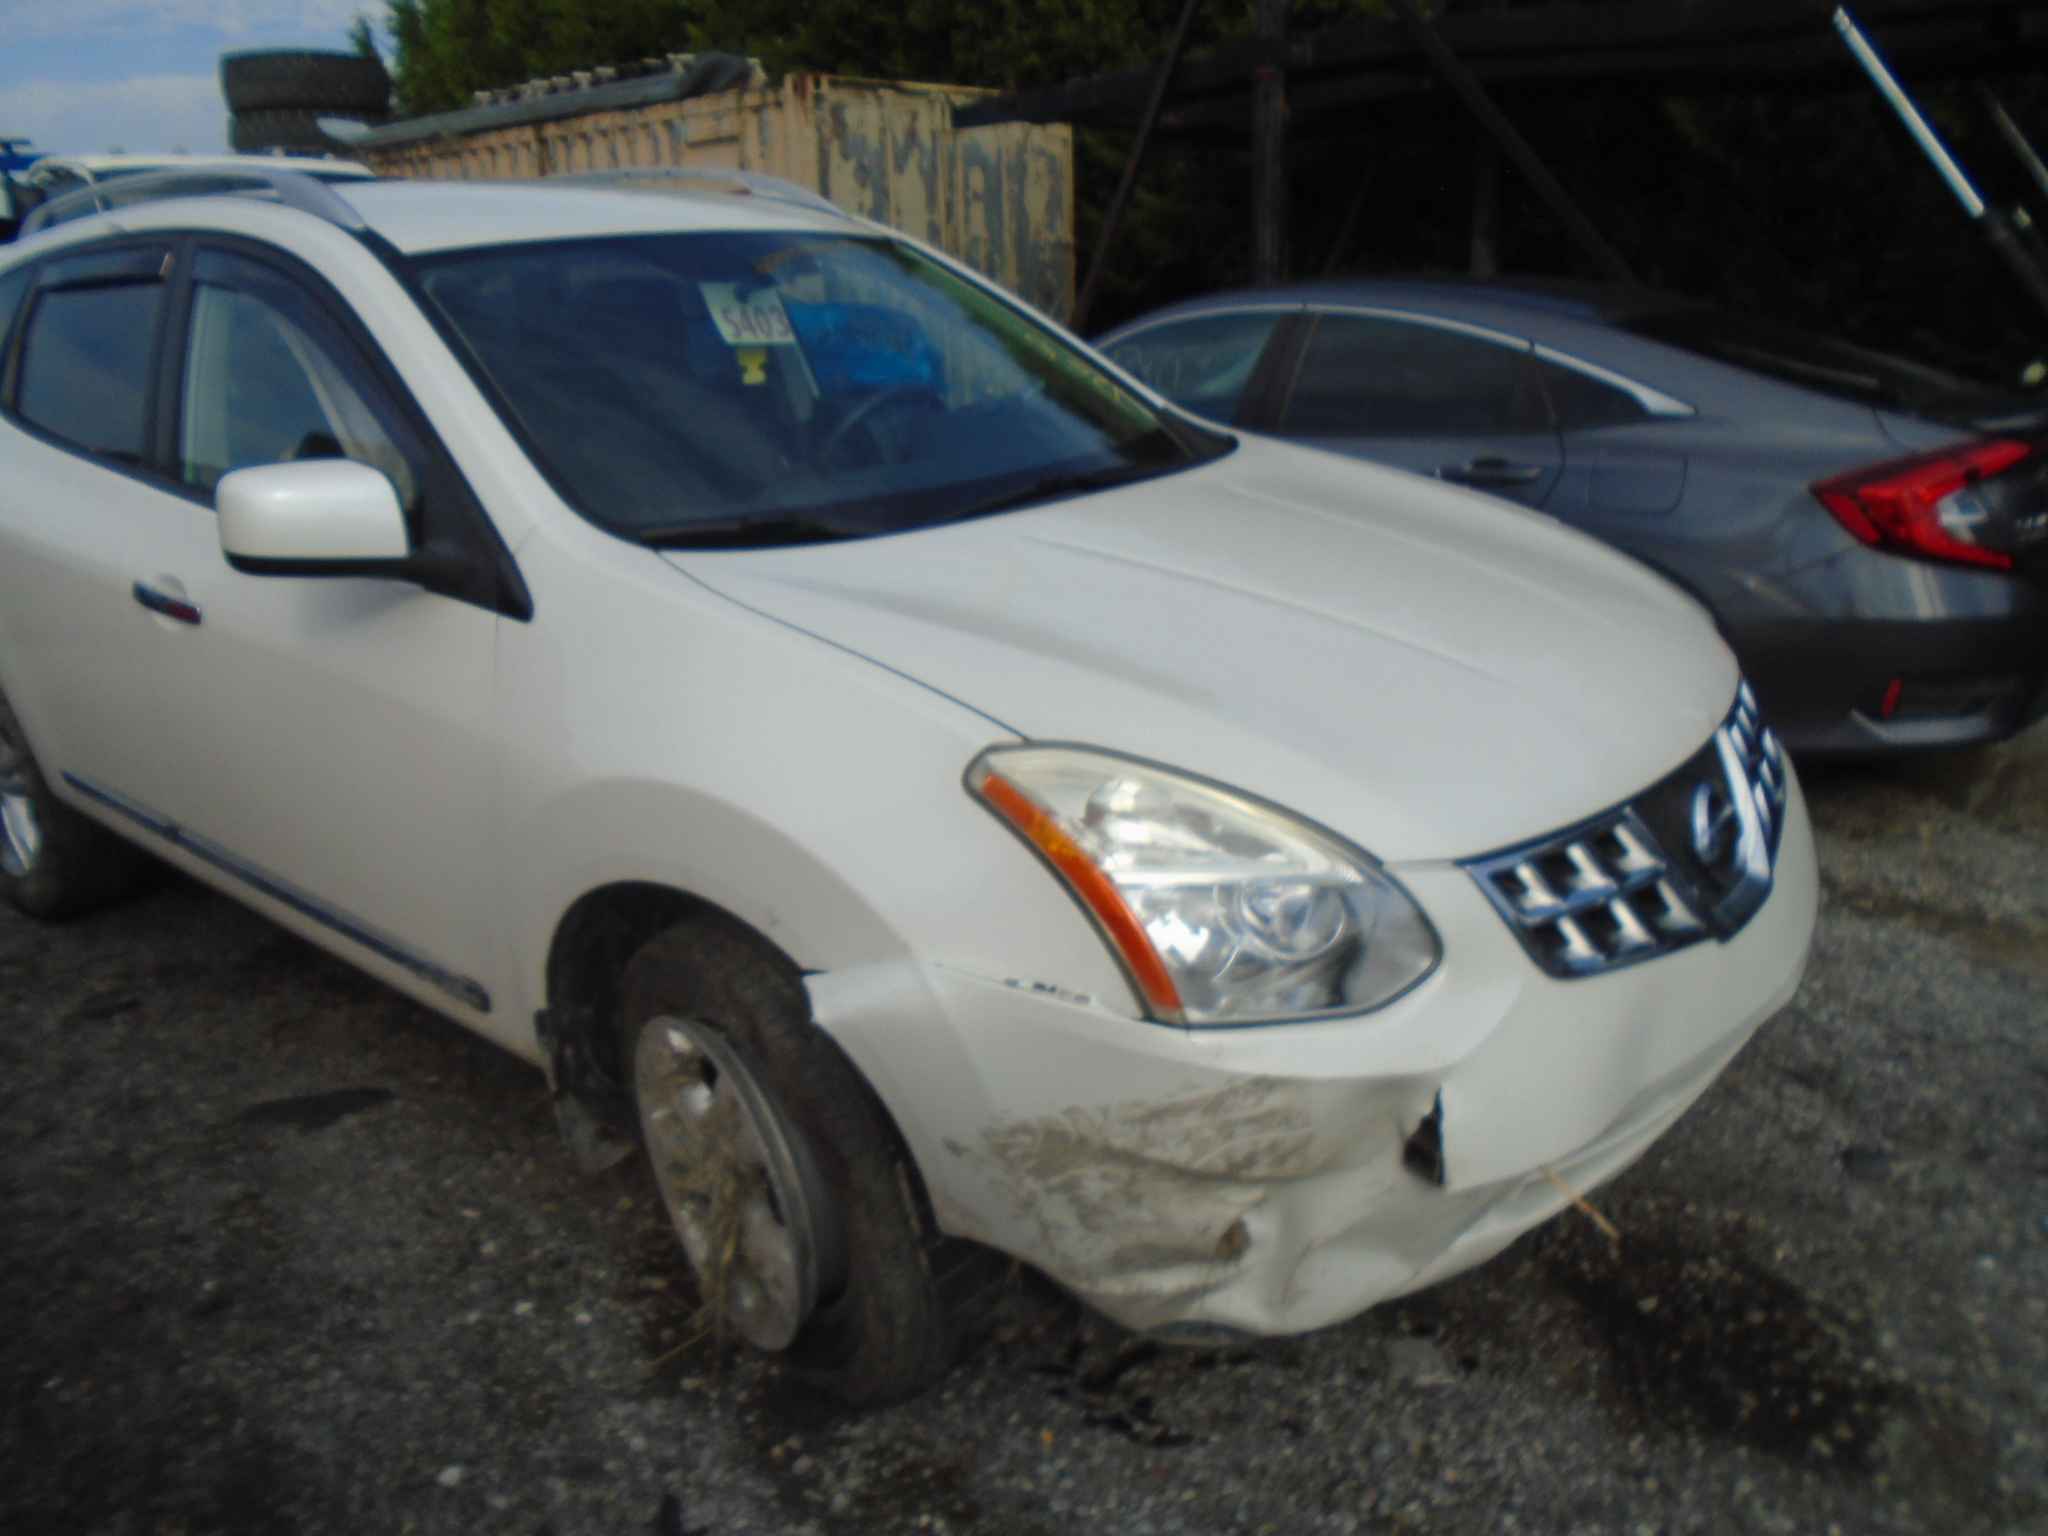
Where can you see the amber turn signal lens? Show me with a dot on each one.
(1097, 892)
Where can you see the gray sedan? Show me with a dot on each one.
(1872, 535)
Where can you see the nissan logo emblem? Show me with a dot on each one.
(1716, 829)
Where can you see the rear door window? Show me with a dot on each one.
(86, 352)
(1370, 376)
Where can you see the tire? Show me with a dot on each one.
(874, 1328)
(54, 863)
(295, 130)
(334, 84)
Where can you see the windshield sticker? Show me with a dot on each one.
(755, 320)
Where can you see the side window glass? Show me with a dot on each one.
(85, 365)
(1201, 364)
(1580, 401)
(1362, 376)
(267, 380)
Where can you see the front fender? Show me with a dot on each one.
(614, 832)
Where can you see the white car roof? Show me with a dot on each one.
(420, 217)
(423, 216)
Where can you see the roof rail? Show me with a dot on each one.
(294, 189)
(743, 183)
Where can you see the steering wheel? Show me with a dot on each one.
(837, 434)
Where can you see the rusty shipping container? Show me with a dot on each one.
(999, 198)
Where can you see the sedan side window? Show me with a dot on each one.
(85, 366)
(1364, 376)
(267, 380)
(1202, 364)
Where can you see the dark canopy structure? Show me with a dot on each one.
(1281, 86)
(1695, 45)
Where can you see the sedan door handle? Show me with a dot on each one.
(167, 605)
(1491, 471)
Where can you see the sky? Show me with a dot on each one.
(86, 76)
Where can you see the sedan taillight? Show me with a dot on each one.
(1928, 505)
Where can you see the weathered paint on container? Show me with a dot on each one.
(1000, 198)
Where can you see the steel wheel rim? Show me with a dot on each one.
(740, 1188)
(21, 833)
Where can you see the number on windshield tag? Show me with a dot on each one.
(758, 320)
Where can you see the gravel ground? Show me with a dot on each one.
(284, 1254)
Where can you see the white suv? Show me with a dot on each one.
(850, 735)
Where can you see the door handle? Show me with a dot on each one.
(162, 602)
(1491, 471)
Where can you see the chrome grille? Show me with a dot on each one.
(1689, 859)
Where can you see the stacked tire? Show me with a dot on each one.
(277, 97)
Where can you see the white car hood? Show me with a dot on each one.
(1429, 672)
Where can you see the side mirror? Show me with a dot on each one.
(315, 517)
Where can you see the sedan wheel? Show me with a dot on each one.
(21, 832)
(736, 1179)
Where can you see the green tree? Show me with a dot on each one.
(447, 50)
(1010, 44)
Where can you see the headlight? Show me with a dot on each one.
(1222, 909)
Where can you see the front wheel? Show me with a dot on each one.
(53, 861)
(778, 1166)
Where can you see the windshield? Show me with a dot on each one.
(750, 387)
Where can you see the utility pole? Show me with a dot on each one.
(1269, 145)
(1512, 144)
(1113, 220)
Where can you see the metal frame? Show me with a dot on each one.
(1998, 230)
(1113, 219)
(294, 189)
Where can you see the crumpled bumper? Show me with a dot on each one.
(1257, 1179)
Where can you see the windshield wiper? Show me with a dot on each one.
(1052, 487)
(745, 532)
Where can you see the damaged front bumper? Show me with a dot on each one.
(1270, 1180)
